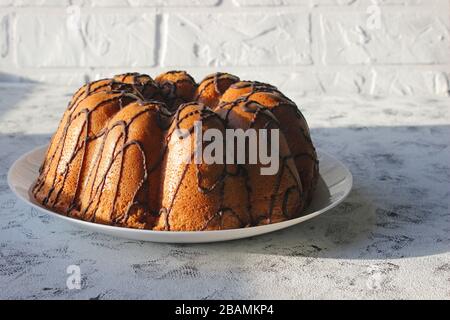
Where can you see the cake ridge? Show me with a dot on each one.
(112, 158)
(72, 118)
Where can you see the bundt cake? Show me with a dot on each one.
(115, 157)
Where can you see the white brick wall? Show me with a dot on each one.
(94, 40)
(312, 47)
(238, 39)
(403, 38)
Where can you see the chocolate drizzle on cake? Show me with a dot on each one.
(85, 167)
(94, 196)
(176, 88)
(247, 100)
(215, 80)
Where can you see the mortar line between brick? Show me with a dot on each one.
(157, 37)
(219, 9)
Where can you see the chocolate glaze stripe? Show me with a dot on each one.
(286, 199)
(125, 127)
(42, 177)
(172, 201)
(220, 214)
(313, 157)
(85, 142)
(88, 91)
(140, 83)
(199, 174)
(213, 79)
(276, 188)
(67, 125)
(272, 119)
(256, 109)
(246, 100)
(139, 185)
(124, 135)
(172, 87)
(92, 174)
(146, 171)
(126, 75)
(204, 113)
(82, 95)
(169, 88)
(103, 180)
(113, 86)
(248, 189)
(137, 143)
(257, 86)
(75, 153)
(70, 119)
(253, 84)
(260, 87)
(306, 154)
(182, 72)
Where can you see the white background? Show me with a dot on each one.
(309, 47)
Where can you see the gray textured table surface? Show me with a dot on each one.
(390, 239)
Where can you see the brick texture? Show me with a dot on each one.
(102, 40)
(4, 37)
(237, 40)
(153, 3)
(308, 47)
(258, 3)
(400, 38)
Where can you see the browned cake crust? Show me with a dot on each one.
(291, 121)
(272, 198)
(176, 87)
(115, 157)
(122, 185)
(72, 148)
(212, 87)
(141, 83)
(198, 196)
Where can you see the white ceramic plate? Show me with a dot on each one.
(334, 185)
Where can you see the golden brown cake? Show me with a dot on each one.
(122, 185)
(198, 196)
(292, 124)
(176, 87)
(140, 83)
(212, 87)
(72, 148)
(115, 157)
(273, 198)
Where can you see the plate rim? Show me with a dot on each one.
(205, 233)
